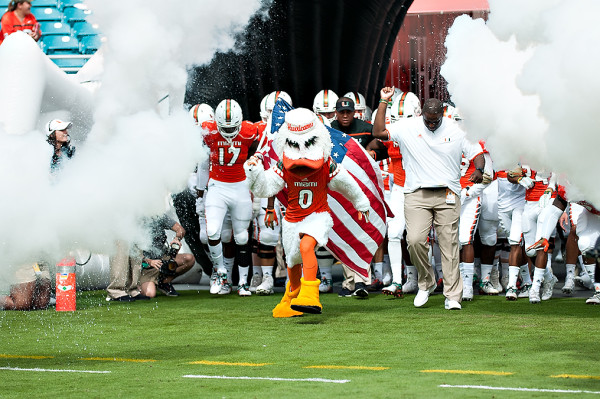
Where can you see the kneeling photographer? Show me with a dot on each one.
(161, 263)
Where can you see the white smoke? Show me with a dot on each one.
(133, 156)
(526, 82)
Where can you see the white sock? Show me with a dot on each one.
(538, 277)
(525, 276)
(486, 271)
(548, 273)
(228, 266)
(267, 270)
(552, 214)
(378, 270)
(257, 270)
(468, 270)
(591, 271)
(243, 271)
(216, 256)
(570, 269)
(395, 254)
(513, 275)
(411, 273)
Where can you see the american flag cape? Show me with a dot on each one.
(351, 241)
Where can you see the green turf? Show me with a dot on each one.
(489, 334)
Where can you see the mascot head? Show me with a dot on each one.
(303, 142)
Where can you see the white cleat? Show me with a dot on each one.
(487, 288)
(394, 289)
(585, 281)
(569, 286)
(255, 281)
(266, 287)
(243, 290)
(450, 304)
(548, 288)
(525, 289)
(222, 287)
(423, 296)
(326, 286)
(495, 280)
(534, 296)
(594, 299)
(511, 293)
(214, 283)
(387, 279)
(467, 294)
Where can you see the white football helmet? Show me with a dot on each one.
(202, 113)
(324, 102)
(368, 114)
(360, 104)
(272, 98)
(451, 112)
(264, 115)
(405, 105)
(228, 117)
(397, 92)
(388, 116)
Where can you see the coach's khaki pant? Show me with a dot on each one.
(423, 208)
(351, 278)
(125, 272)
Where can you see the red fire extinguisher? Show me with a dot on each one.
(65, 285)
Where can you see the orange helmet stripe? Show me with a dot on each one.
(196, 112)
(356, 98)
(228, 111)
(401, 104)
(326, 98)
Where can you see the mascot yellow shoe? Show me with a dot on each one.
(283, 308)
(308, 299)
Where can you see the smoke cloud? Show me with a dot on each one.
(526, 82)
(133, 157)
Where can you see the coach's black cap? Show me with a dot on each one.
(344, 104)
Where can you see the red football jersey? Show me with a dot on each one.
(227, 157)
(307, 194)
(396, 159)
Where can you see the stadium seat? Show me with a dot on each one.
(70, 62)
(55, 28)
(90, 44)
(62, 4)
(43, 3)
(74, 14)
(4, 4)
(84, 28)
(47, 14)
(60, 45)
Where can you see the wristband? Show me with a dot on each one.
(479, 169)
(385, 101)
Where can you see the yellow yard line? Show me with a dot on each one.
(118, 359)
(24, 357)
(479, 372)
(346, 367)
(584, 377)
(211, 363)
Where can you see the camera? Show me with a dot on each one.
(168, 260)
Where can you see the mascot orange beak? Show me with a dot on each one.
(302, 164)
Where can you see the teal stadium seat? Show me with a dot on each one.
(4, 4)
(70, 62)
(43, 14)
(74, 14)
(84, 28)
(60, 45)
(55, 28)
(62, 4)
(44, 3)
(90, 44)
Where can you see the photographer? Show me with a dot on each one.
(161, 263)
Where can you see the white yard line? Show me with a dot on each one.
(518, 389)
(55, 370)
(224, 377)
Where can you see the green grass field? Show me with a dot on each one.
(383, 346)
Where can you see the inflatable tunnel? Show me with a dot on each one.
(303, 46)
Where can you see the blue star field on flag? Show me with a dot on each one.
(278, 116)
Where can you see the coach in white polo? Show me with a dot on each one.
(431, 147)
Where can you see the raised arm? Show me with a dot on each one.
(379, 130)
